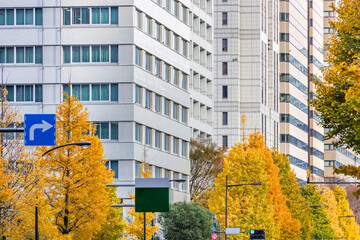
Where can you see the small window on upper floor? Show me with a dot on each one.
(224, 18)
(224, 45)
(224, 91)
(224, 68)
(284, 17)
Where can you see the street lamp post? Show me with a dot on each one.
(226, 193)
(80, 144)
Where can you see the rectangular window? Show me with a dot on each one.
(167, 37)
(184, 81)
(24, 93)
(175, 111)
(23, 55)
(20, 55)
(114, 92)
(147, 99)
(284, 57)
(114, 53)
(137, 170)
(225, 92)
(138, 56)
(167, 72)
(137, 94)
(184, 50)
(184, 13)
(184, 184)
(166, 142)
(224, 18)
(224, 68)
(167, 174)
(157, 67)
(66, 54)
(157, 139)
(284, 17)
(85, 16)
(157, 31)
(157, 172)
(224, 118)
(2, 17)
(114, 15)
(114, 166)
(95, 16)
(284, 37)
(225, 45)
(183, 148)
(148, 136)
(176, 77)
(29, 16)
(176, 184)
(138, 19)
(66, 16)
(176, 42)
(138, 134)
(38, 55)
(148, 62)
(104, 16)
(157, 103)
(148, 25)
(20, 15)
(10, 17)
(183, 115)
(225, 141)
(175, 145)
(107, 130)
(166, 107)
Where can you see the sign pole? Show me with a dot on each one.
(144, 225)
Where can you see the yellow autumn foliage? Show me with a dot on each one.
(347, 223)
(253, 207)
(331, 208)
(134, 227)
(75, 201)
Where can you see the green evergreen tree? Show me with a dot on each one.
(186, 220)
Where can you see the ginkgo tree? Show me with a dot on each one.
(346, 216)
(19, 175)
(75, 198)
(134, 225)
(253, 207)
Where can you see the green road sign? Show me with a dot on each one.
(151, 195)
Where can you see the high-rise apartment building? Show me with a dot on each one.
(301, 57)
(246, 41)
(334, 157)
(143, 69)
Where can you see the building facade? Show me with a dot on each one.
(143, 69)
(246, 42)
(301, 57)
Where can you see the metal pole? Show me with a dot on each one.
(36, 223)
(226, 206)
(144, 225)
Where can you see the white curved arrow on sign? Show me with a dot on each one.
(44, 126)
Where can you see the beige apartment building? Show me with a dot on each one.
(301, 59)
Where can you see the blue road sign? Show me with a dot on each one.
(40, 129)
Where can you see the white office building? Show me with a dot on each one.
(143, 69)
(246, 42)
